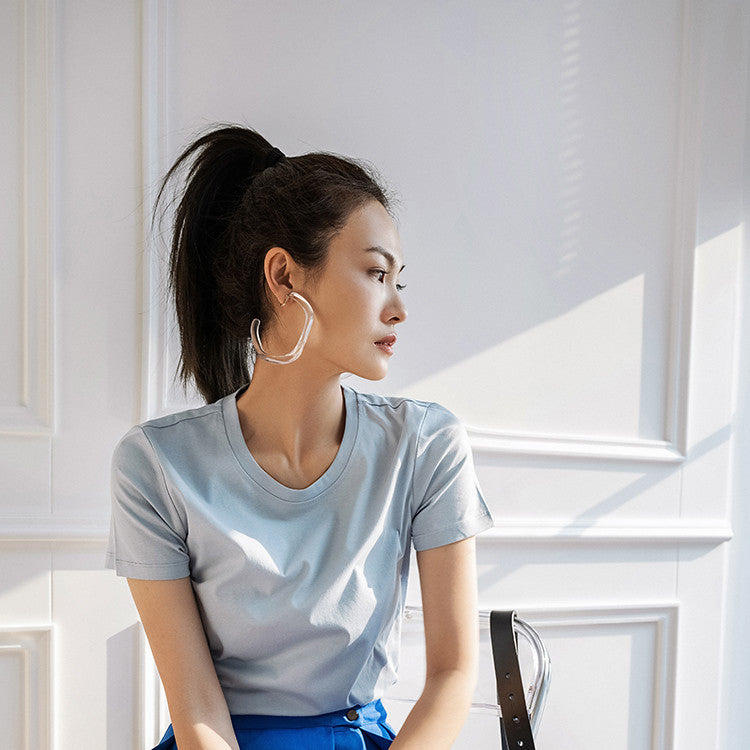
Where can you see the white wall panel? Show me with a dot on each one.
(11, 125)
(98, 272)
(712, 376)
(702, 632)
(25, 687)
(25, 574)
(25, 465)
(530, 575)
(25, 292)
(735, 720)
(97, 676)
(594, 493)
(613, 670)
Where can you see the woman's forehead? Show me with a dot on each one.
(370, 230)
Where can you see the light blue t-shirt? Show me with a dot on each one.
(300, 590)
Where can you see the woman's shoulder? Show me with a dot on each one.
(194, 423)
(425, 415)
(184, 416)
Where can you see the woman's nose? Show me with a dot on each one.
(400, 313)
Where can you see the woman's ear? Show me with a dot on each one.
(281, 272)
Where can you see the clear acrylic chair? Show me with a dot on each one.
(482, 727)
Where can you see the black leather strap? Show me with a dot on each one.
(514, 722)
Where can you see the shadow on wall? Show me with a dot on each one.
(124, 689)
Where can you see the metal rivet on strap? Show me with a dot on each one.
(352, 715)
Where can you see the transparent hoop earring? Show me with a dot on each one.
(283, 359)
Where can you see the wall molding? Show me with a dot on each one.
(684, 220)
(667, 534)
(154, 713)
(75, 530)
(155, 340)
(159, 397)
(663, 619)
(576, 622)
(33, 415)
(572, 446)
(160, 393)
(53, 529)
(34, 645)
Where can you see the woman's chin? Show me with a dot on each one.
(370, 372)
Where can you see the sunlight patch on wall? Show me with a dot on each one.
(579, 372)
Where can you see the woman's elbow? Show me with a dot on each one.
(459, 680)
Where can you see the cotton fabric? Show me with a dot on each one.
(300, 591)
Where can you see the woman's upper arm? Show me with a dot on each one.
(447, 576)
(172, 623)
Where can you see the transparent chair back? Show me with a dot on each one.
(482, 727)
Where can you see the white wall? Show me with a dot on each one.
(735, 717)
(571, 177)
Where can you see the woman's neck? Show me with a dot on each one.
(289, 414)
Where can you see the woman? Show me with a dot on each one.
(266, 535)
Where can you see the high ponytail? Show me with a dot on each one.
(232, 209)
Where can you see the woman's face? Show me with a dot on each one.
(357, 300)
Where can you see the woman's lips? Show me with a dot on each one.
(386, 343)
(389, 339)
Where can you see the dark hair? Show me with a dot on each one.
(232, 209)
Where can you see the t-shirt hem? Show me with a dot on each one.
(147, 571)
(463, 530)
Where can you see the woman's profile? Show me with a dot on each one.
(266, 535)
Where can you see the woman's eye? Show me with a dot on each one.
(382, 273)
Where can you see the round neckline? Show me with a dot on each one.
(265, 480)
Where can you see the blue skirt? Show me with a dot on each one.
(358, 728)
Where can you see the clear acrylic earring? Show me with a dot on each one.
(283, 359)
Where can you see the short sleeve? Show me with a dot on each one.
(147, 533)
(448, 504)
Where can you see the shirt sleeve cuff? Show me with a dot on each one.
(463, 530)
(147, 571)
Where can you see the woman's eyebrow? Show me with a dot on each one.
(386, 254)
